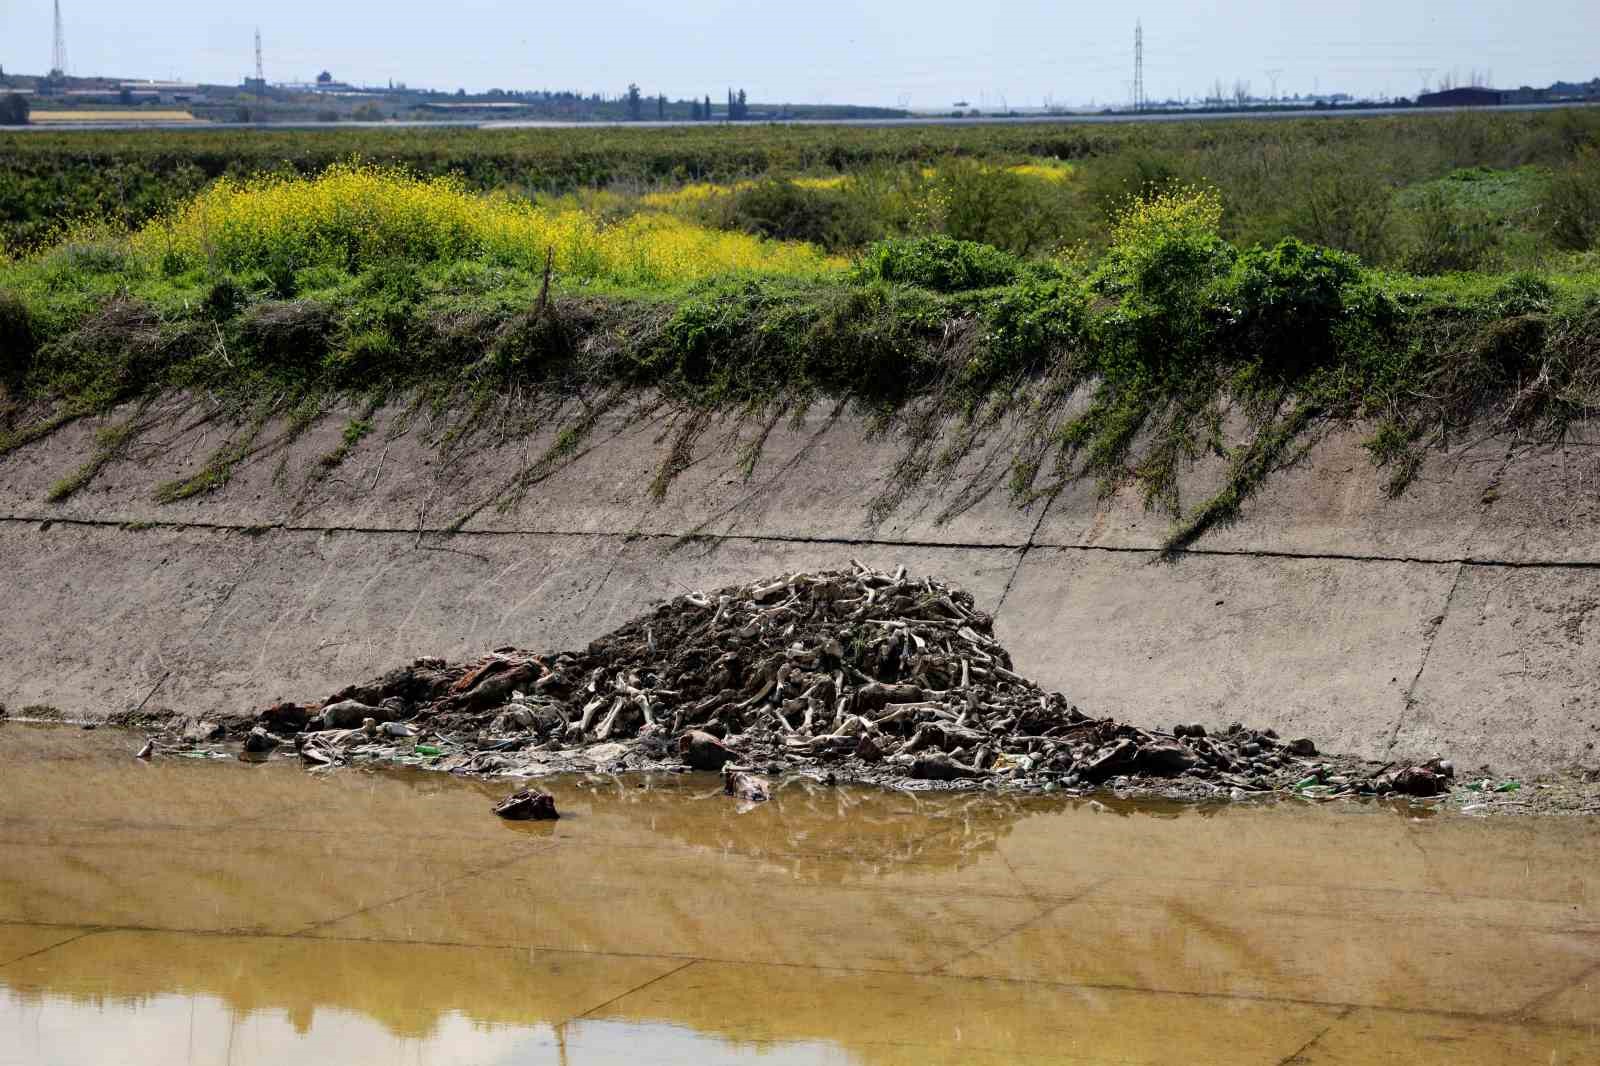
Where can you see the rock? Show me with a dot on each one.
(259, 740)
(1193, 729)
(528, 805)
(1301, 746)
(867, 749)
(1165, 758)
(702, 751)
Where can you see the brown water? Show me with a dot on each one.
(212, 912)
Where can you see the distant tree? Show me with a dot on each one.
(708, 107)
(695, 111)
(635, 103)
(1241, 92)
(661, 106)
(13, 110)
(325, 78)
(125, 96)
(744, 110)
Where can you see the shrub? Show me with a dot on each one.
(19, 339)
(989, 205)
(1165, 259)
(225, 298)
(1571, 203)
(1131, 175)
(1030, 321)
(1287, 302)
(782, 210)
(1525, 294)
(1448, 236)
(290, 335)
(942, 264)
(1345, 209)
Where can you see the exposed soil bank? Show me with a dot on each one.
(1458, 620)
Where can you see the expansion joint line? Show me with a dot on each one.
(1410, 699)
(1022, 554)
(1298, 1056)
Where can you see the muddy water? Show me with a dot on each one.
(212, 912)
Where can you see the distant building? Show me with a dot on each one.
(1468, 97)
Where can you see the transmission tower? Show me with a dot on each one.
(1138, 65)
(261, 78)
(1273, 76)
(58, 57)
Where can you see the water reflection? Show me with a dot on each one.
(217, 912)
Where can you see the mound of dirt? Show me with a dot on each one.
(856, 674)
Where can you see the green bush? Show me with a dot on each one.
(19, 339)
(1571, 203)
(1525, 294)
(1449, 237)
(1028, 323)
(1285, 303)
(1131, 175)
(988, 205)
(1165, 262)
(781, 210)
(943, 264)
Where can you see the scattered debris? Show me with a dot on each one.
(850, 675)
(747, 787)
(147, 751)
(528, 805)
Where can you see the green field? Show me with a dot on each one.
(1118, 290)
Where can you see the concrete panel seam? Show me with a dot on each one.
(773, 538)
(1298, 1055)
(638, 988)
(50, 947)
(1022, 556)
(1443, 617)
(1409, 700)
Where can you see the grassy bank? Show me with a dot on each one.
(1123, 356)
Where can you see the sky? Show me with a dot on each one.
(925, 54)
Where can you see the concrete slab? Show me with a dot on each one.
(889, 1019)
(95, 616)
(1369, 1037)
(1545, 507)
(1331, 958)
(1513, 674)
(1313, 647)
(1331, 502)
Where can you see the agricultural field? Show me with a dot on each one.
(1420, 274)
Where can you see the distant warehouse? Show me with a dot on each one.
(1469, 97)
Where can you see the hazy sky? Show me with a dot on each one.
(927, 52)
